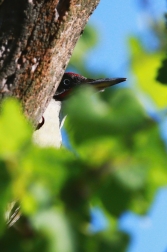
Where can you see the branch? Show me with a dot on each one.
(36, 42)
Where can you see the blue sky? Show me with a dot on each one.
(149, 233)
(115, 21)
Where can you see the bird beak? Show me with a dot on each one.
(77, 80)
(101, 84)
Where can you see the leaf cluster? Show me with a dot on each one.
(117, 161)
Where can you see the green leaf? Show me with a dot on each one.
(15, 130)
(42, 176)
(56, 229)
(89, 117)
(5, 193)
(116, 137)
(146, 72)
(161, 75)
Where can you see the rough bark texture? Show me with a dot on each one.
(37, 38)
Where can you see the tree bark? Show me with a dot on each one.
(37, 38)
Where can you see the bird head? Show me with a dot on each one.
(72, 80)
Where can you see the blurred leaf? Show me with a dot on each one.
(147, 71)
(41, 177)
(16, 132)
(120, 144)
(114, 196)
(5, 193)
(15, 135)
(55, 227)
(161, 75)
(85, 44)
(116, 242)
(12, 240)
(89, 117)
(105, 241)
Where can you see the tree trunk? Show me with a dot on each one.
(37, 38)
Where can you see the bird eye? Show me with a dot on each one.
(66, 82)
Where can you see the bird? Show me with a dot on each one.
(48, 132)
